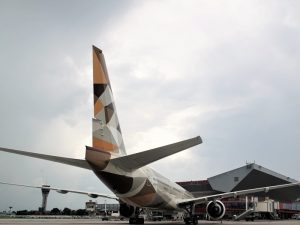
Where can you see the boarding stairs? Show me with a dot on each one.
(244, 214)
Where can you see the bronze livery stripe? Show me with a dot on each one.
(103, 145)
(109, 111)
(97, 107)
(98, 73)
(145, 196)
(98, 159)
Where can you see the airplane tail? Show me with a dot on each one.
(107, 135)
(108, 145)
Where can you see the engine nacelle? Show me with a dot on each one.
(127, 210)
(215, 209)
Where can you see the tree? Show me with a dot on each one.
(66, 211)
(22, 212)
(81, 212)
(55, 211)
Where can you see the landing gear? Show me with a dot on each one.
(191, 218)
(136, 219)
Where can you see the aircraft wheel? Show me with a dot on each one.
(191, 220)
(136, 221)
(195, 221)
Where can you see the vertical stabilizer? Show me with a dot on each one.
(107, 134)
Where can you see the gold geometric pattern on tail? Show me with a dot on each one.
(107, 134)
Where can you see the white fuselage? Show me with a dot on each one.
(146, 187)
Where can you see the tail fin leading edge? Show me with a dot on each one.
(107, 134)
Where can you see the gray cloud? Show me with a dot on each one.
(225, 70)
(45, 93)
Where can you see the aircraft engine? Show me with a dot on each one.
(215, 209)
(126, 210)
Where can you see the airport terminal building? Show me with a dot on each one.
(274, 204)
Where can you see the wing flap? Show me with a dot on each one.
(69, 161)
(138, 160)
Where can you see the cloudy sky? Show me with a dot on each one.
(225, 70)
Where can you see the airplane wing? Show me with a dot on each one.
(69, 161)
(65, 191)
(140, 159)
(234, 194)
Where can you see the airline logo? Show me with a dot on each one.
(107, 134)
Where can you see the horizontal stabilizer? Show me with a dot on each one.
(64, 191)
(138, 160)
(69, 161)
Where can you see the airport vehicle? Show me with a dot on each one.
(296, 216)
(134, 184)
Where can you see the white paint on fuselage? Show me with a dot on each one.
(167, 193)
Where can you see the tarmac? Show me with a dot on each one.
(97, 221)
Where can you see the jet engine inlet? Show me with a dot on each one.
(215, 209)
(126, 210)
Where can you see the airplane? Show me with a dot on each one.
(134, 184)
